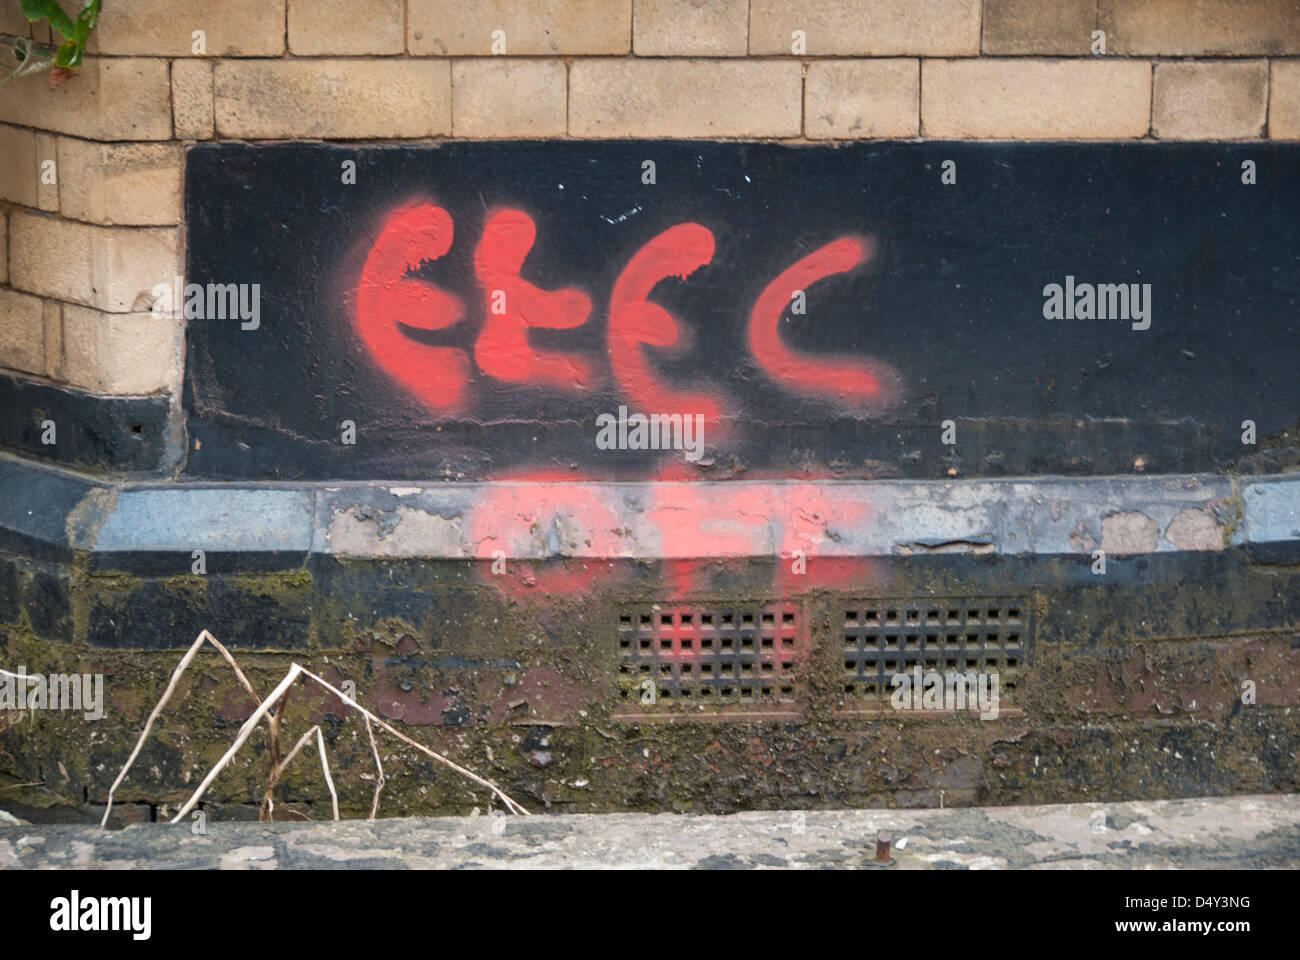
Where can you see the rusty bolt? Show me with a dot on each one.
(882, 847)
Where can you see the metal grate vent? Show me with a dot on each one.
(708, 656)
(980, 635)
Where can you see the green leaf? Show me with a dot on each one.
(68, 54)
(86, 20)
(49, 10)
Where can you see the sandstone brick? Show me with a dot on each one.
(12, 20)
(263, 99)
(1035, 27)
(108, 99)
(1035, 99)
(120, 183)
(121, 353)
(54, 340)
(346, 27)
(690, 28)
(48, 173)
(192, 99)
(1284, 100)
(164, 28)
(497, 97)
(22, 332)
(531, 27)
(1213, 100)
(1188, 28)
(20, 172)
(873, 28)
(110, 268)
(685, 98)
(854, 99)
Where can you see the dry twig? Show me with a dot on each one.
(266, 708)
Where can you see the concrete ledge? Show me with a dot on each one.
(1124, 516)
(1233, 832)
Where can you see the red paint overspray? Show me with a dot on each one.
(856, 385)
(387, 297)
(502, 349)
(511, 516)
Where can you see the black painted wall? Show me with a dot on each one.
(951, 301)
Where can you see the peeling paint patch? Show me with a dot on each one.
(947, 546)
(1195, 530)
(1126, 534)
(404, 532)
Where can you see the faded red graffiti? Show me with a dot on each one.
(389, 298)
(635, 322)
(548, 514)
(854, 384)
(514, 305)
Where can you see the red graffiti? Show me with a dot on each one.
(388, 297)
(635, 322)
(514, 305)
(854, 384)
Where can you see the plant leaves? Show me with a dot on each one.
(68, 54)
(86, 20)
(49, 10)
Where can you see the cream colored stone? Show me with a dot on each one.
(192, 99)
(855, 99)
(685, 98)
(120, 183)
(22, 332)
(1190, 28)
(1284, 100)
(531, 27)
(389, 99)
(122, 354)
(20, 171)
(347, 27)
(497, 97)
(1212, 100)
(690, 28)
(110, 268)
(870, 28)
(54, 340)
(47, 172)
(1017, 27)
(108, 99)
(1035, 99)
(165, 28)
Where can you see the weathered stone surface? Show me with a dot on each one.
(684, 98)
(346, 99)
(1035, 99)
(1211, 100)
(509, 98)
(1221, 832)
(862, 99)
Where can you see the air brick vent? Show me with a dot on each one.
(882, 638)
(695, 655)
